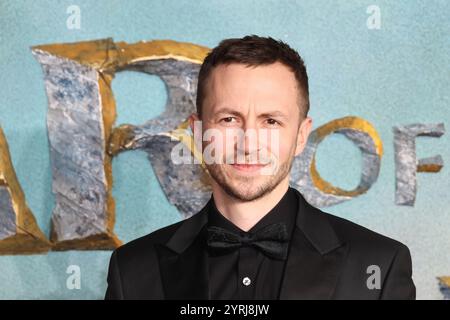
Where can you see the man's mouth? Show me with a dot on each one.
(248, 167)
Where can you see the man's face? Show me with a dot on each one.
(263, 103)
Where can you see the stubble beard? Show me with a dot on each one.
(242, 188)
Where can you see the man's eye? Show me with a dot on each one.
(272, 121)
(229, 119)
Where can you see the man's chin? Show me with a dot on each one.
(245, 190)
(244, 195)
(242, 185)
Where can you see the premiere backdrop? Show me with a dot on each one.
(383, 61)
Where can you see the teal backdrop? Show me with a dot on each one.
(395, 75)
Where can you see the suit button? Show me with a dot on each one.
(246, 281)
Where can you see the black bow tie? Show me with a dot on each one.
(272, 240)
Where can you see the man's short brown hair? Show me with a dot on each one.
(255, 51)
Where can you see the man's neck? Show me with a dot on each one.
(245, 214)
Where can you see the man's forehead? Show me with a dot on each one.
(222, 71)
(260, 83)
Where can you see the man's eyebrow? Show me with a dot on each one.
(270, 114)
(227, 110)
(275, 113)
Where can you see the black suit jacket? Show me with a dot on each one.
(328, 259)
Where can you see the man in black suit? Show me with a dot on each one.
(257, 237)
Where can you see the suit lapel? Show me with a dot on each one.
(183, 261)
(315, 259)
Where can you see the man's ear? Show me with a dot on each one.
(192, 118)
(303, 134)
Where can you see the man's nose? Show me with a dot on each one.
(249, 143)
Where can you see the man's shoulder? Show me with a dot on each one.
(369, 253)
(360, 237)
(134, 266)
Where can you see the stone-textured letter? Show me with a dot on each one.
(306, 178)
(406, 163)
(80, 118)
(19, 232)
